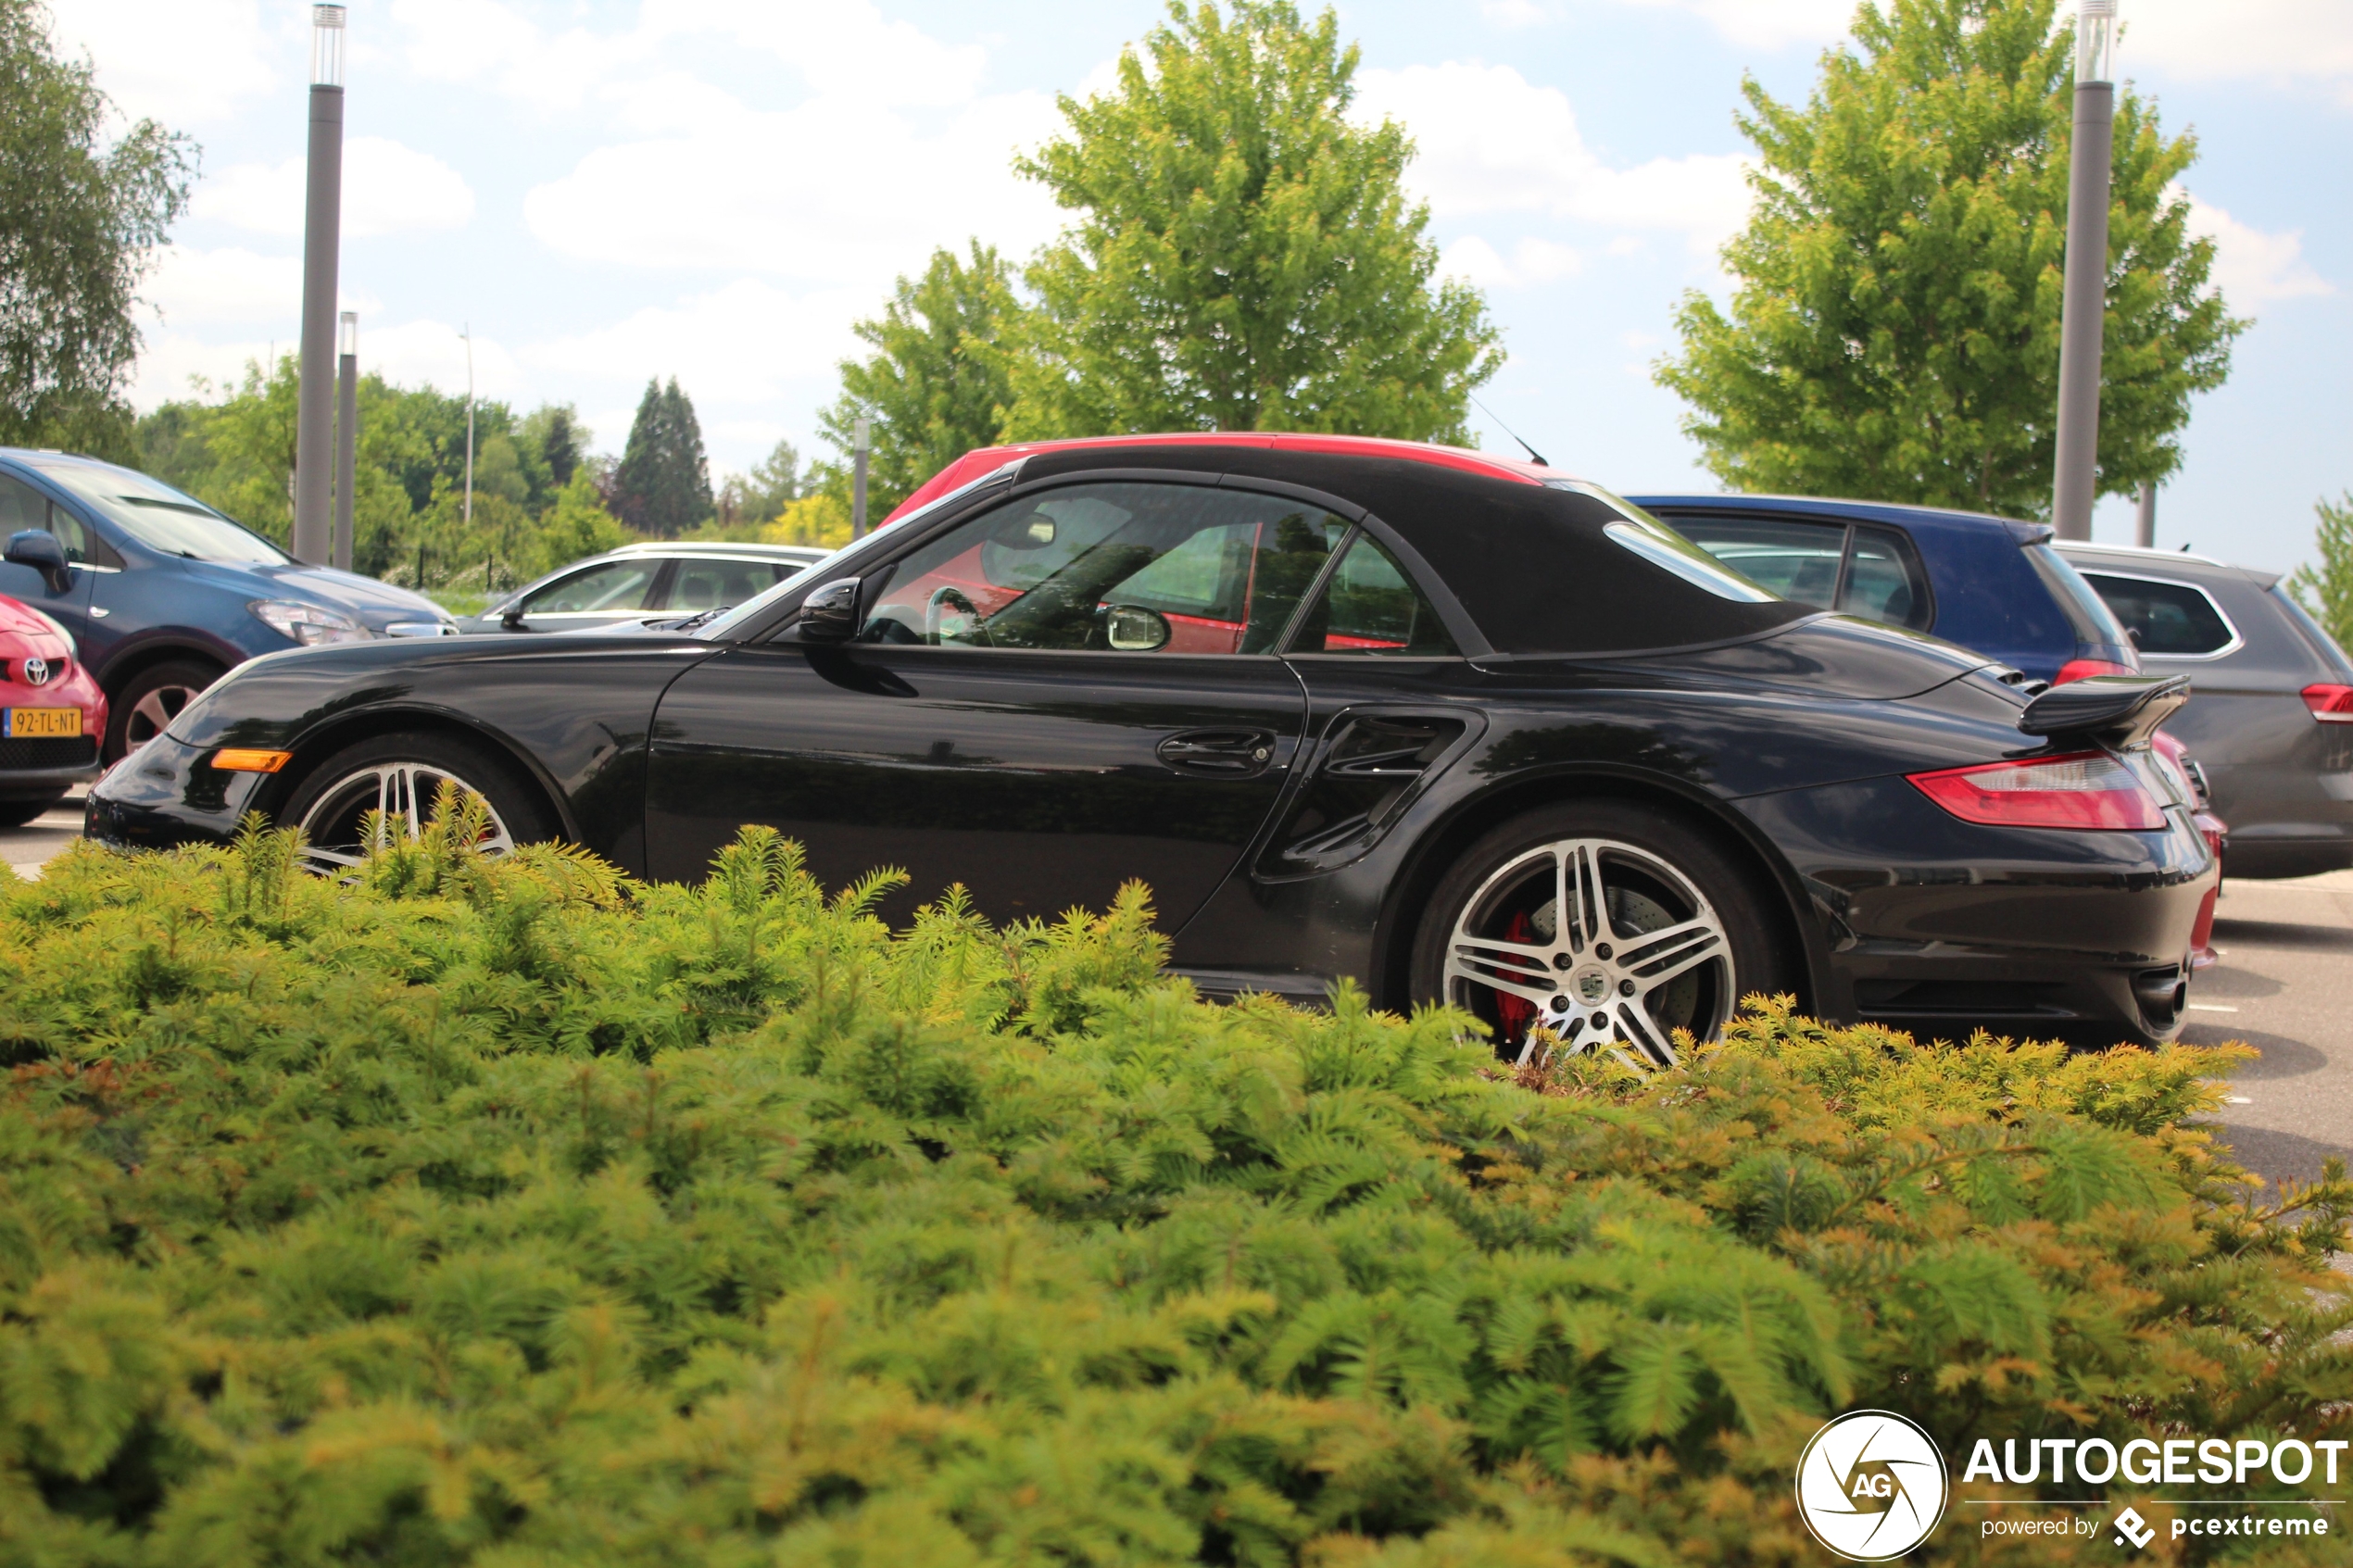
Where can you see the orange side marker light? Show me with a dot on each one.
(240, 760)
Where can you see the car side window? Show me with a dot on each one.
(1799, 560)
(23, 507)
(698, 586)
(1132, 567)
(2165, 618)
(1884, 581)
(1371, 607)
(616, 585)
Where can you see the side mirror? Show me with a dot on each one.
(39, 549)
(830, 614)
(1134, 629)
(511, 617)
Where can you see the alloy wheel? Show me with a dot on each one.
(336, 828)
(153, 713)
(1641, 953)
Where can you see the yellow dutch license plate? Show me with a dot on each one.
(44, 723)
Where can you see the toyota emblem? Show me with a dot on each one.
(36, 671)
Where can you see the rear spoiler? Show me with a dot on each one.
(2119, 709)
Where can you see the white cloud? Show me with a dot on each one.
(1533, 261)
(208, 287)
(2251, 266)
(177, 365)
(426, 352)
(387, 189)
(834, 191)
(182, 62)
(1491, 142)
(738, 343)
(1512, 13)
(2254, 40)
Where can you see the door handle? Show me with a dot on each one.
(1225, 754)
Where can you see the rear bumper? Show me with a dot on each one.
(1942, 927)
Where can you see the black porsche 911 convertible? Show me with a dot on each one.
(1447, 724)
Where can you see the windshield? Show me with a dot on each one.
(161, 518)
(720, 628)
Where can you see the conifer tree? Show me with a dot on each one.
(1894, 331)
(662, 487)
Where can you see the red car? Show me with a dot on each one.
(52, 714)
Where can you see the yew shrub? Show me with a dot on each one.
(515, 1214)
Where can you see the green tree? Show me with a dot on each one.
(79, 221)
(662, 487)
(1243, 255)
(2327, 591)
(761, 496)
(939, 379)
(1894, 333)
(554, 430)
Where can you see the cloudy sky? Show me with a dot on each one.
(715, 189)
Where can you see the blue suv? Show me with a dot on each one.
(1986, 583)
(163, 594)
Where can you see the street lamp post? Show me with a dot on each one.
(2083, 308)
(321, 234)
(2144, 522)
(346, 432)
(861, 440)
(467, 336)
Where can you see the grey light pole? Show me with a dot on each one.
(321, 234)
(467, 336)
(2144, 522)
(862, 439)
(346, 432)
(2083, 308)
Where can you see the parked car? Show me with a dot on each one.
(2271, 718)
(161, 592)
(1986, 583)
(51, 714)
(1316, 693)
(657, 579)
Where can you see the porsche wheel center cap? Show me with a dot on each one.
(1592, 986)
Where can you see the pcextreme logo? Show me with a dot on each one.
(1871, 1485)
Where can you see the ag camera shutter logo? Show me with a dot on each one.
(1871, 1485)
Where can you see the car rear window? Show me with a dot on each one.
(2168, 619)
(2328, 648)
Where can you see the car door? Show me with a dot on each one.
(602, 594)
(1072, 690)
(23, 509)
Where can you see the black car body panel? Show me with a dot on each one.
(1292, 812)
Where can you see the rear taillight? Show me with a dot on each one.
(2330, 704)
(2084, 668)
(2084, 789)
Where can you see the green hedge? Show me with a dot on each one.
(513, 1214)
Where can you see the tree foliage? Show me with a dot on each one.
(2326, 589)
(1242, 257)
(512, 1213)
(939, 379)
(663, 484)
(1893, 329)
(79, 221)
(236, 453)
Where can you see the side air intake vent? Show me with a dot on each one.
(1366, 773)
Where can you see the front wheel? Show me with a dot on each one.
(149, 701)
(1602, 924)
(400, 775)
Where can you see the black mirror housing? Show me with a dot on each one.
(830, 614)
(511, 617)
(39, 549)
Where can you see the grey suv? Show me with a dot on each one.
(2270, 719)
(662, 577)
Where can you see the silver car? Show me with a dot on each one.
(658, 578)
(2270, 719)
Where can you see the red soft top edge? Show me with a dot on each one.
(982, 460)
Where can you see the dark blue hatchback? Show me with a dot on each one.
(162, 594)
(1986, 583)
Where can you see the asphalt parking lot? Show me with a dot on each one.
(2284, 984)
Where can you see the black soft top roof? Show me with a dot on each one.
(1529, 562)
